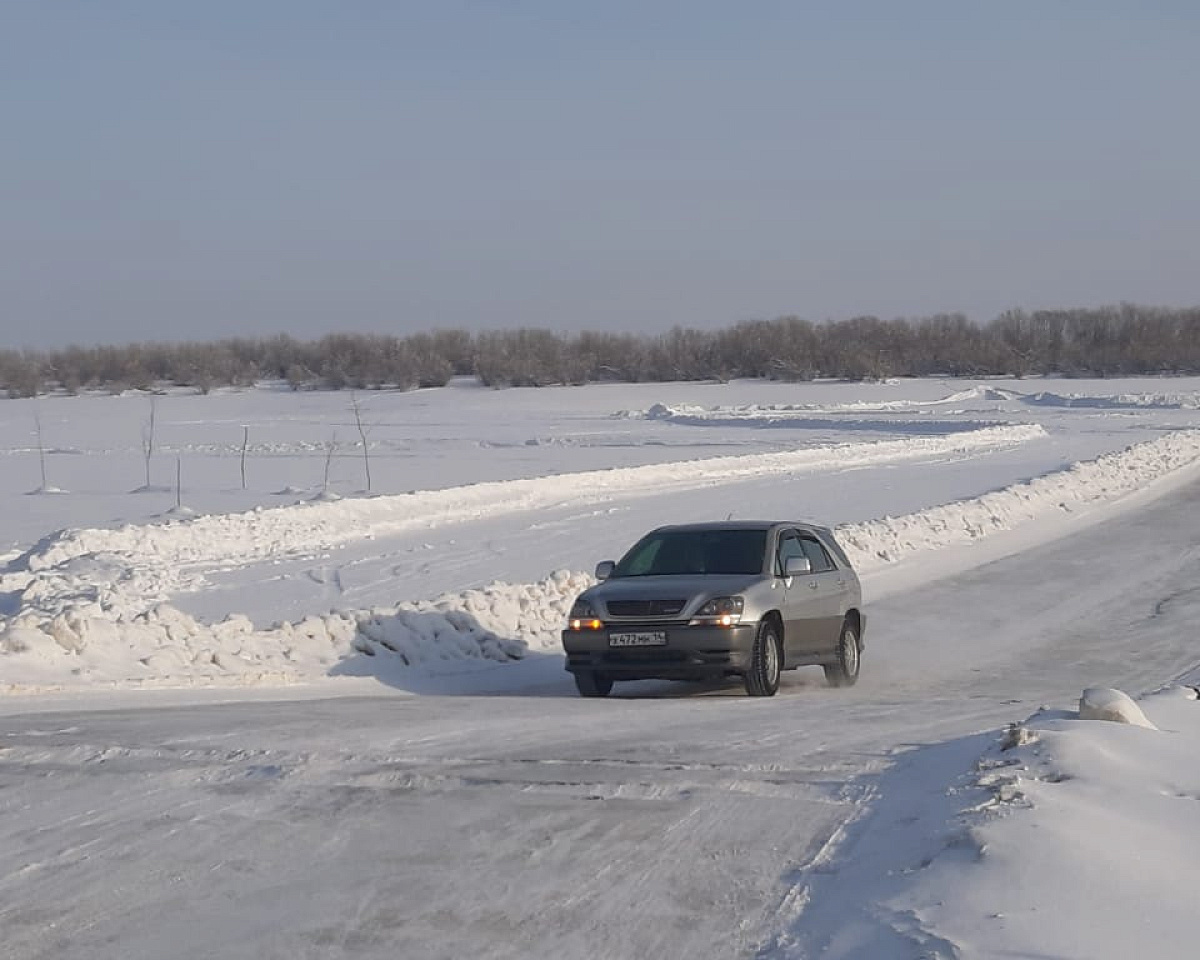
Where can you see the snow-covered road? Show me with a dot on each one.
(669, 821)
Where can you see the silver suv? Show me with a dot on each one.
(710, 600)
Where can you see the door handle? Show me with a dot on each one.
(812, 584)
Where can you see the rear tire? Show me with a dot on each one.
(766, 660)
(844, 671)
(593, 684)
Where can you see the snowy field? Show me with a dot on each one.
(270, 712)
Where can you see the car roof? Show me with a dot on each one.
(739, 525)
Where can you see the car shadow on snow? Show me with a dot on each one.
(536, 675)
(804, 680)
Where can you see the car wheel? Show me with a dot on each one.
(766, 660)
(844, 671)
(593, 684)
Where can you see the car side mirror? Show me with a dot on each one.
(604, 569)
(797, 566)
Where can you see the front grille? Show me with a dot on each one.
(644, 608)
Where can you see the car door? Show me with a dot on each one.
(826, 586)
(801, 627)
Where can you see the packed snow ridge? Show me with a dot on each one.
(92, 606)
(1063, 836)
(149, 563)
(979, 398)
(1079, 819)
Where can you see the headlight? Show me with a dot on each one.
(725, 610)
(583, 617)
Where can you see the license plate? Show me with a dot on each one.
(640, 638)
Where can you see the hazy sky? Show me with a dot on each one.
(193, 170)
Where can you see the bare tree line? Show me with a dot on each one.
(1124, 340)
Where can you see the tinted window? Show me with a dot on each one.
(789, 546)
(673, 552)
(816, 555)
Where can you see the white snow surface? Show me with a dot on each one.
(1061, 837)
(294, 718)
(93, 605)
(1109, 808)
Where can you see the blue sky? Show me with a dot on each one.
(189, 171)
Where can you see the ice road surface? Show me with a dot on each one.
(180, 777)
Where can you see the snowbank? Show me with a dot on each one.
(91, 606)
(1059, 838)
(164, 646)
(977, 398)
(1080, 486)
(725, 414)
(1084, 846)
(163, 559)
(1122, 401)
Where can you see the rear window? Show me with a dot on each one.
(681, 552)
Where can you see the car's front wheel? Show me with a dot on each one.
(766, 660)
(593, 684)
(843, 672)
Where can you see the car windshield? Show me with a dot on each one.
(692, 552)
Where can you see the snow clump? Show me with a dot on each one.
(1105, 703)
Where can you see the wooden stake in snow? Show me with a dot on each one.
(330, 450)
(37, 419)
(245, 444)
(362, 433)
(148, 441)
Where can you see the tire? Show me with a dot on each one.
(593, 684)
(766, 661)
(844, 671)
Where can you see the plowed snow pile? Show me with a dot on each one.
(979, 399)
(1068, 838)
(92, 606)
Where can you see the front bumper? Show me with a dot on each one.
(690, 653)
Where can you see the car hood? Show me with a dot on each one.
(674, 587)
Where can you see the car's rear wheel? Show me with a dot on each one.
(843, 672)
(593, 684)
(766, 660)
